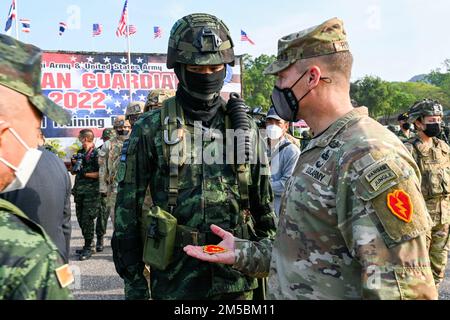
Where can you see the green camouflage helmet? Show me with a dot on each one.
(108, 133)
(426, 107)
(134, 108)
(156, 97)
(20, 70)
(200, 39)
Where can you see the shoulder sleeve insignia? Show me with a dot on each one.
(64, 275)
(211, 249)
(400, 205)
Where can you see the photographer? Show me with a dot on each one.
(86, 190)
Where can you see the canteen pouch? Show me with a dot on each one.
(159, 237)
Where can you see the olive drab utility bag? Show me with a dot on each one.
(159, 231)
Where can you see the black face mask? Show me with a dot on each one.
(286, 103)
(203, 83)
(123, 132)
(432, 129)
(406, 126)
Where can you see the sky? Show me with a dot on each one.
(394, 40)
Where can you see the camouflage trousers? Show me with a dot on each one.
(88, 209)
(111, 204)
(135, 284)
(438, 247)
(102, 219)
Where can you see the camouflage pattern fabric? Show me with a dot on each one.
(337, 237)
(109, 158)
(28, 259)
(87, 197)
(208, 193)
(434, 165)
(326, 38)
(20, 70)
(403, 137)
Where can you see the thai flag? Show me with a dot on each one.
(157, 32)
(11, 16)
(131, 29)
(122, 27)
(62, 28)
(97, 29)
(244, 37)
(26, 25)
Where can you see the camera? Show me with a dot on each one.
(78, 166)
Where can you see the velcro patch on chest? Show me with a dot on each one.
(317, 175)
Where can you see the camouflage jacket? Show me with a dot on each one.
(403, 137)
(108, 159)
(208, 194)
(85, 185)
(434, 165)
(352, 221)
(29, 261)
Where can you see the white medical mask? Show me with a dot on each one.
(274, 132)
(26, 167)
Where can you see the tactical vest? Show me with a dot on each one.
(434, 165)
(175, 154)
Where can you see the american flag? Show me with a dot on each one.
(11, 16)
(157, 32)
(131, 29)
(26, 25)
(62, 28)
(121, 29)
(244, 37)
(97, 29)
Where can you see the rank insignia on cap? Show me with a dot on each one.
(64, 275)
(400, 205)
(211, 249)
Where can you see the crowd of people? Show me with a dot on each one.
(207, 205)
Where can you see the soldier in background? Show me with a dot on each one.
(432, 155)
(134, 110)
(30, 265)
(86, 192)
(156, 97)
(352, 223)
(109, 156)
(404, 134)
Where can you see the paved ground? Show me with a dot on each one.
(96, 278)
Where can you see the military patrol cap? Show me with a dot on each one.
(426, 107)
(20, 70)
(327, 38)
(272, 114)
(403, 117)
(200, 39)
(135, 107)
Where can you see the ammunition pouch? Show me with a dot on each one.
(159, 231)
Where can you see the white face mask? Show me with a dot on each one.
(26, 167)
(274, 132)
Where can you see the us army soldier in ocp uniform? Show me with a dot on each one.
(353, 223)
(108, 159)
(30, 264)
(432, 155)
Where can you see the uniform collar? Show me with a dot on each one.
(328, 135)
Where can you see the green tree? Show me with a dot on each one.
(257, 87)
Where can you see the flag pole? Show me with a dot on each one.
(129, 56)
(17, 22)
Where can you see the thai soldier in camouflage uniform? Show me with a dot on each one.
(199, 47)
(156, 97)
(30, 265)
(432, 155)
(109, 157)
(352, 222)
(134, 111)
(405, 133)
(86, 193)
